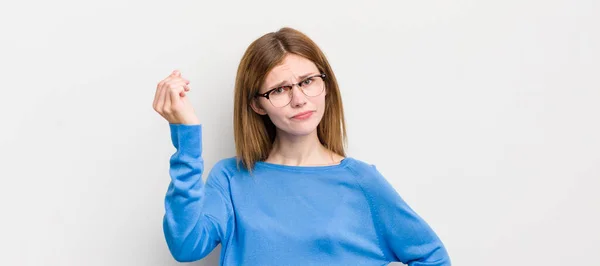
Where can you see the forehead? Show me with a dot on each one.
(290, 69)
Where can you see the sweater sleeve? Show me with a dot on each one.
(403, 234)
(196, 214)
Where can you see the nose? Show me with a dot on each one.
(298, 97)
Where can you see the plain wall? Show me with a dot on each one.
(484, 115)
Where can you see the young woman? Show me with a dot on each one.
(290, 196)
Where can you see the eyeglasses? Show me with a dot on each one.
(281, 96)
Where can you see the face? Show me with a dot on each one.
(292, 70)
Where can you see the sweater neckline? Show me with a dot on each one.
(297, 168)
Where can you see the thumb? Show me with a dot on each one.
(175, 97)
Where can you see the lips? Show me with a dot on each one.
(303, 115)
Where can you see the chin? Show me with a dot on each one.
(302, 132)
(302, 129)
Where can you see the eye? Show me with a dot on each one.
(279, 90)
(307, 81)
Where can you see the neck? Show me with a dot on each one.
(300, 150)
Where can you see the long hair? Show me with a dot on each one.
(254, 134)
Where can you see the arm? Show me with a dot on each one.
(196, 214)
(402, 232)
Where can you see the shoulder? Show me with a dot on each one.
(369, 177)
(362, 168)
(223, 170)
(227, 165)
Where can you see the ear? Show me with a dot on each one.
(256, 107)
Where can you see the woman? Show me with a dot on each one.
(290, 196)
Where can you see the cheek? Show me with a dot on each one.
(275, 115)
(321, 103)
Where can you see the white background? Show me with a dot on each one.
(483, 114)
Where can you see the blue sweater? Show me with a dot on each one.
(345, 214)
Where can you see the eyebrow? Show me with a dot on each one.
(284, 82)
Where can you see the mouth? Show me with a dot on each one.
(303, 115)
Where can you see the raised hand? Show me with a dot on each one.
(171, 101)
